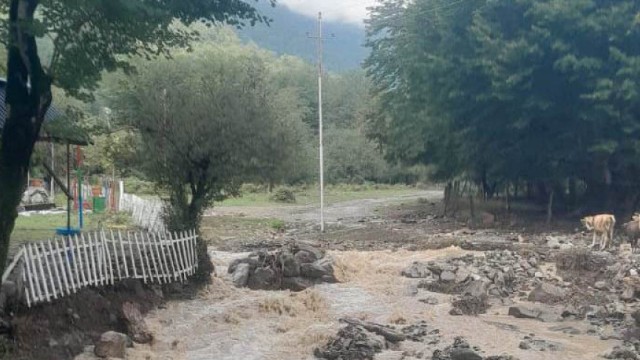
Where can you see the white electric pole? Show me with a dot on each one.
(319, 39)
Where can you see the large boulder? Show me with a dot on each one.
(262, 278)
(476, 288)
(447, 276)
(547, 293)
(313, 271)
(309, 251)
(304, 257)
(136, 325)
(251, 261)
(241, 275)
(523, 312)
(111, 345)
(417, 270)
(290, 267)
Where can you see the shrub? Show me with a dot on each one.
(277, 225)
(283, 195)
(133, 185)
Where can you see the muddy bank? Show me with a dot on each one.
(62, 330)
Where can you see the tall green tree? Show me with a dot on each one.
(88, 38)
(510, 91)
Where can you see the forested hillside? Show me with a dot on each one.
(287, 34)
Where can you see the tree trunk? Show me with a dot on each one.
(507, 200)
(27, 104)
(447, 197)
(472, 212)
(550, 208)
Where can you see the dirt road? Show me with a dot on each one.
(346, 212)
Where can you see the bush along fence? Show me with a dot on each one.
(48, 270)
(146, 214)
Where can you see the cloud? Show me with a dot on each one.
(348, 11)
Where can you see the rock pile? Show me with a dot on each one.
(352, 343)
(362, 340)
(293, 267)
(501, 271)
(461, 350)
(626, 351)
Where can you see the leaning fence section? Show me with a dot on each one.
(146, 213)
(59, 267)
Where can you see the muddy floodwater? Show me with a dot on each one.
(224, 322)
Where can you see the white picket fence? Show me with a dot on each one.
(146, 213)
(52, 269)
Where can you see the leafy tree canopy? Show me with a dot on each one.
(506, 91)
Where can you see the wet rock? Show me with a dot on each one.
(600, 285)
(464, 354)
(531, 343)
(290, 267)
(470, 305)
(417, 270)
(296, 283)
(447, 276)
(462, 275)
(313, 252)
(626, 351)
(305, 257)
(313, 271)
(566, 330)
(241, 275)
(460, 350)
(351, 343)
(523, 312)
(421, 332)
(476, 288)
(252, 262)
(547, 293)
(263, 278)
(111, 344)
(136, 325)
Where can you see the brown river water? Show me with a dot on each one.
(226, 323)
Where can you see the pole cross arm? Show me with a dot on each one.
(58, 181)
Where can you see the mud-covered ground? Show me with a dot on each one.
(412, 284)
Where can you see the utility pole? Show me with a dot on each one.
(319, 39)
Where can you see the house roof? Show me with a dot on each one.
(56, 126)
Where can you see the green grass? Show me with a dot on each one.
(41, 227)
(333, 194)
(217, 230)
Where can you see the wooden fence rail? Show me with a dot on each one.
(52, 269)
(146, 213)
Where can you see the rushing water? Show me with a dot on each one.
(229, 323)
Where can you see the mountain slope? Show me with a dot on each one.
(288, 34)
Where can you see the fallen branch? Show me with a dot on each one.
(386, 332)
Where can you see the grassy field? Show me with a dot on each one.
(38, 227)
(311, 195)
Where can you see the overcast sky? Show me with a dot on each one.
(350, 11)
